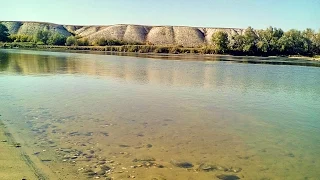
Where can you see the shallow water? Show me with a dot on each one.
(144, 117)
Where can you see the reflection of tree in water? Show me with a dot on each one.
(35, 64)
(209, 75)
(4, 61)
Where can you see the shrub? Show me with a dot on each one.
(71, 41)
(20, 38)
(220, 41)
(114, 42)
(42, 36)
(133, 48)
(175, 50)
(83, 42)
(161, 50)
(40, 43)
(207, 50)
(57, 39)
(102, 42)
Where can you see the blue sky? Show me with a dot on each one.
(285, 14)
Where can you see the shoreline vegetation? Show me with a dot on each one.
(140, 49)
(247, 42)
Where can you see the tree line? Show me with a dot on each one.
(267, 42)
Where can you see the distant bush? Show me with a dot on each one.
(132, 43)
(57, 39)
(40, 43)
(112, 42)
(147, 49)
(208, 50)
(175, 50)
(42, 36)
(46, 37)
(19, 45)
(101, 42)
(20, 38)
(162, 50)
(132, 48)
(220, 41)
(82, 42)
(71, 41)
(113, 48)
(185, 50)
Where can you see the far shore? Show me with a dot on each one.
(315, 58)
(148, 51)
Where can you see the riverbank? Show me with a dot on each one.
(314, 58)
(142, 49)
(14, 164)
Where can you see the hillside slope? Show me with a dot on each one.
(157, 35)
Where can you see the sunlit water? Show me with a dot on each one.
(142, 117)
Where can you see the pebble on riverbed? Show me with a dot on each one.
(17, 145)
(36, 153)
(145, 158)
(149, 145)
(182, 164)
(105, 168)
(89, 172)
(101, 162)
(290, 155)
(227, 177)
(207, 168)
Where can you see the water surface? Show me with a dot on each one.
(142, 117)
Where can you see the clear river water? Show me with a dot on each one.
(85, 116)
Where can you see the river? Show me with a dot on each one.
(84, 116)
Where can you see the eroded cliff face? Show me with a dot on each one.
(157, 35)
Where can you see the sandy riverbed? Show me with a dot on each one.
(13, 163)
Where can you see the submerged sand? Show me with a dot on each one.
(13, 163)
(89, 116)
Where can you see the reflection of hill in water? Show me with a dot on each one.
(172, 73)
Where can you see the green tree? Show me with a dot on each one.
(42, 36)
(114, 42)
(83, 42)
(310, 36)
(236, 43)
(24, 38)
(316, 43)
(220, 41)
(268, 41)
(101, 42)
(57, 39)
(293, 43)
(4, 33)
(13, 37)
(20, 38)
(71, 41)
(250, 40)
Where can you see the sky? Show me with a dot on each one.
(285, 14)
